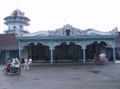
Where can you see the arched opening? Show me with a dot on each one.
(94, 50)
(39, 52)
(67, 53)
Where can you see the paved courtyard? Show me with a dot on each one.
(64, 76)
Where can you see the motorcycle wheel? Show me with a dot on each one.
(5, 71)
(18, 71)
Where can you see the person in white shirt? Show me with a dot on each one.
(30, 62)
(17, 63)
(26, 65)
(13, 63)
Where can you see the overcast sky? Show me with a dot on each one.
(102, 15)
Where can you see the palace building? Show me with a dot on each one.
(65, 44)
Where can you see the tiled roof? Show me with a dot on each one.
(8, 42)
(118, 40)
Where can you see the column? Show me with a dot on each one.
(84, 54)
(51, 52)
(20, 52)
(114, 54)
(30, 51)
(7, 55)
(83, 44)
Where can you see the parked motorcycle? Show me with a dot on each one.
(9, 70)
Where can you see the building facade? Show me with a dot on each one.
(65, 44)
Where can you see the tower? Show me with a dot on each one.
(16, 22)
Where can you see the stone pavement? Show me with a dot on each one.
(64, 76)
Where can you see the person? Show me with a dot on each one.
(26, 65)
(103, 58)
(12, 64)
(30, 62)
(17, 63)
(8, 64)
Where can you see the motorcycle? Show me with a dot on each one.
(8, 70)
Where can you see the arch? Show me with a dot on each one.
(93, 50)
(38, 52)
(65, 52)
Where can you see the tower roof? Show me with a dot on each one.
(17, 12)
(16, 22)
(17, 16)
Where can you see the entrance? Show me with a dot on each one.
(39, 52)
(94, 50)
(71, 52)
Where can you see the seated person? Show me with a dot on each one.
(8, 65)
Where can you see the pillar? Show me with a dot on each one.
(84, 54)
(7, 55)
(30, 51)
(20, 52)
(51, 52)
(83, 44)
(114, 54)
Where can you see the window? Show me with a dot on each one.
(21, 26)
(67, 32)
(14, 27)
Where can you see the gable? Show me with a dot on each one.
(68, 30)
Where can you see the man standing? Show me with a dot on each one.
(26, 66)
(30, 62)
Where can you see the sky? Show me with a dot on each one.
(101, 15)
